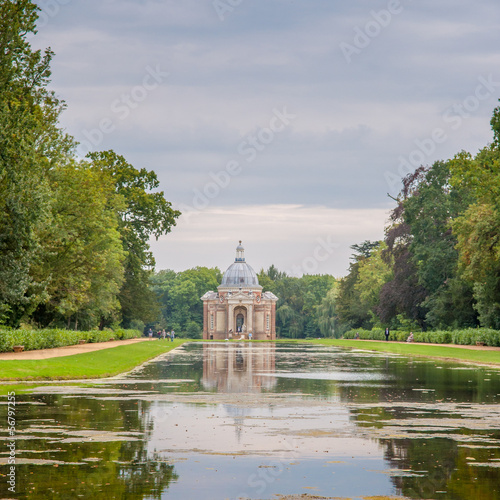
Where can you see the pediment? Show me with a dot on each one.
(240, 296)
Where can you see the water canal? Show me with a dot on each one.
(256, 421)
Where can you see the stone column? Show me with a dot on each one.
(205, 321)
(230, 322)
(273, 321)
(250, 319)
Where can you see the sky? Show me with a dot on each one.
(287, 124)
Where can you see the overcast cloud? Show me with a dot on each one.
(278, 122)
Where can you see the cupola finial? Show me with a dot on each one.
(240, 253)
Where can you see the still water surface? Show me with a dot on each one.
(239, 420)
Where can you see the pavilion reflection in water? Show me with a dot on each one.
(239, 367)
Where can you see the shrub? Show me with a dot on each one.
(57, 337)
(468, 336)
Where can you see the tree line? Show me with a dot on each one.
(438, 266)
(73, 232)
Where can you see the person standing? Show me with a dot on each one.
(387, 334)
(172, 335)
(150, 334)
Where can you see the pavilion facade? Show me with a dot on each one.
(239, 309)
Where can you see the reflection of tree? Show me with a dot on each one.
(432, 461)
(438, 464)
(116, 468)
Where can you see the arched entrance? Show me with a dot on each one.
(240, 319)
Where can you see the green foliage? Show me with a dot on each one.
(51, 338)
(193, 330)
(358, 292)
(469, 336)
(179, 295)
(143, 213)
(301, 311)
(478, 227)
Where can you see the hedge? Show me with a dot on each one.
(49, 338)
(469, 336)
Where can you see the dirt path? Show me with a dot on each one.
(67, 350)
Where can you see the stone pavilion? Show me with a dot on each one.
(239, 309)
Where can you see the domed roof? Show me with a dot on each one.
(239, 273)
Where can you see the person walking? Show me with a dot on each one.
(386, 334)
(172, 335)
(150, 334)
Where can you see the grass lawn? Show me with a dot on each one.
(428, 350)
(97, 364)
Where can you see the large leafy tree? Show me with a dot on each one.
(426, 287)
(145, 213)
(429, 211)
(30, 144)
(83, 253)
(478, 228)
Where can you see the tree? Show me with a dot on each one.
(82, 263)
(144, 213)
(373, 273)
(351, 311)
(327, 314)
(403, 295)
(180, 295)
(478, 228)
(30, 144)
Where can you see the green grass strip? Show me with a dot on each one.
(96, 364)
(428, 350)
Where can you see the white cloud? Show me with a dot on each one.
(284, 235)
